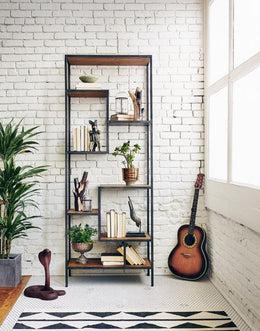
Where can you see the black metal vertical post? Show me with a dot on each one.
(99, 213)
(66, 170)
(151, 163)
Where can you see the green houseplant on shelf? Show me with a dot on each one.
(82, 240)
(129, 172)
(17, 192)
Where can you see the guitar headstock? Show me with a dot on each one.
(199, 181)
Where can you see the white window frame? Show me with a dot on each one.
(238, 202)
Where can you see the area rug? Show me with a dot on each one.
(176, 320)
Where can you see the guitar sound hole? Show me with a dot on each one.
(189, 240)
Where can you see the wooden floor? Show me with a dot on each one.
(9, 295)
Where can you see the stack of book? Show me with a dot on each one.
(112, 259)
(121, 117)
(131, 255)
(116, 224)
(88, 86)
(80, 138)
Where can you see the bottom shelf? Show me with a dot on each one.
(96, 264)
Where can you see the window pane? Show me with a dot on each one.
(218, 135)
(246, 130)
(246, 29)
(218, 39)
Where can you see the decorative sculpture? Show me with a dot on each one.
(79, 190)
(137, 102)
(44, 292)
(137, 221)
(94, 137)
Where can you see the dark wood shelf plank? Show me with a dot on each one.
(87, 152)
(95, 263)
(105, 238)
(74, 212)
(122, 123)
(88, 93)
(123, 186)
(113, 60)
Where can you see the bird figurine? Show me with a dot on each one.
(133, 215)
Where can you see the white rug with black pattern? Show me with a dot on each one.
(176, 320)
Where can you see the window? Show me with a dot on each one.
(232, 108)
(246, 30)
(246, 130)
(218, 135)
(218, 36)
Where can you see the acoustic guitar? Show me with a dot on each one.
(189, 260)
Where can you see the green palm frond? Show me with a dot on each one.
(13, 142)
(18, 184)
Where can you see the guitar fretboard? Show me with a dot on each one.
(193, 211)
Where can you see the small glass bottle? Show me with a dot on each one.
(87, 201)
(122, 103)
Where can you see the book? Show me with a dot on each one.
(112, 263)
(86, 148)
(115, 225)
(122, 117)
(88, 86)
(108, 225)
(112, 223)
(74, 138)
(132, 256)
(123, 224)
(82, 138)
(120, 249)
(78, 139)
(112, 257)
(119, 226)
(141, 260)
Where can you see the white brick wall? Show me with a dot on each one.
(35, 35)
(235, 265)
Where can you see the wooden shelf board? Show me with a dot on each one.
(109, 60)
(121, 123)
(123, 186)
(95, 263)
(74, 212)
(87, 152)
(105, 238)
(88, 93)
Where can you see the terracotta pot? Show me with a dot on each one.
(130, 175)
(82, 248)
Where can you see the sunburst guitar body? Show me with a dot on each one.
(189, 259)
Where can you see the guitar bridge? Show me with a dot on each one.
(186, 254)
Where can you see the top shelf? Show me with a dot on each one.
(109, 60)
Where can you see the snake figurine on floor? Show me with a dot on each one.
(44, 292)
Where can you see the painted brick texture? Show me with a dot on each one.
(235, 265)
(35, 35)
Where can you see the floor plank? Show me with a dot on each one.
(9, 295)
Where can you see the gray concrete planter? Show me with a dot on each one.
(11, 271)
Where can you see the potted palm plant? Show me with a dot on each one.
(17, 192)
(129, 172)
(82, 240)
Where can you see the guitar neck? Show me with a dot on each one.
(193, 211)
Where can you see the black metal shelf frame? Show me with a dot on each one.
(107, 60)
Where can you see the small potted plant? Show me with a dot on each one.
(81, 240)
(129, 172)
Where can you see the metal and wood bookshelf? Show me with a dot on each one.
(147, 187)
